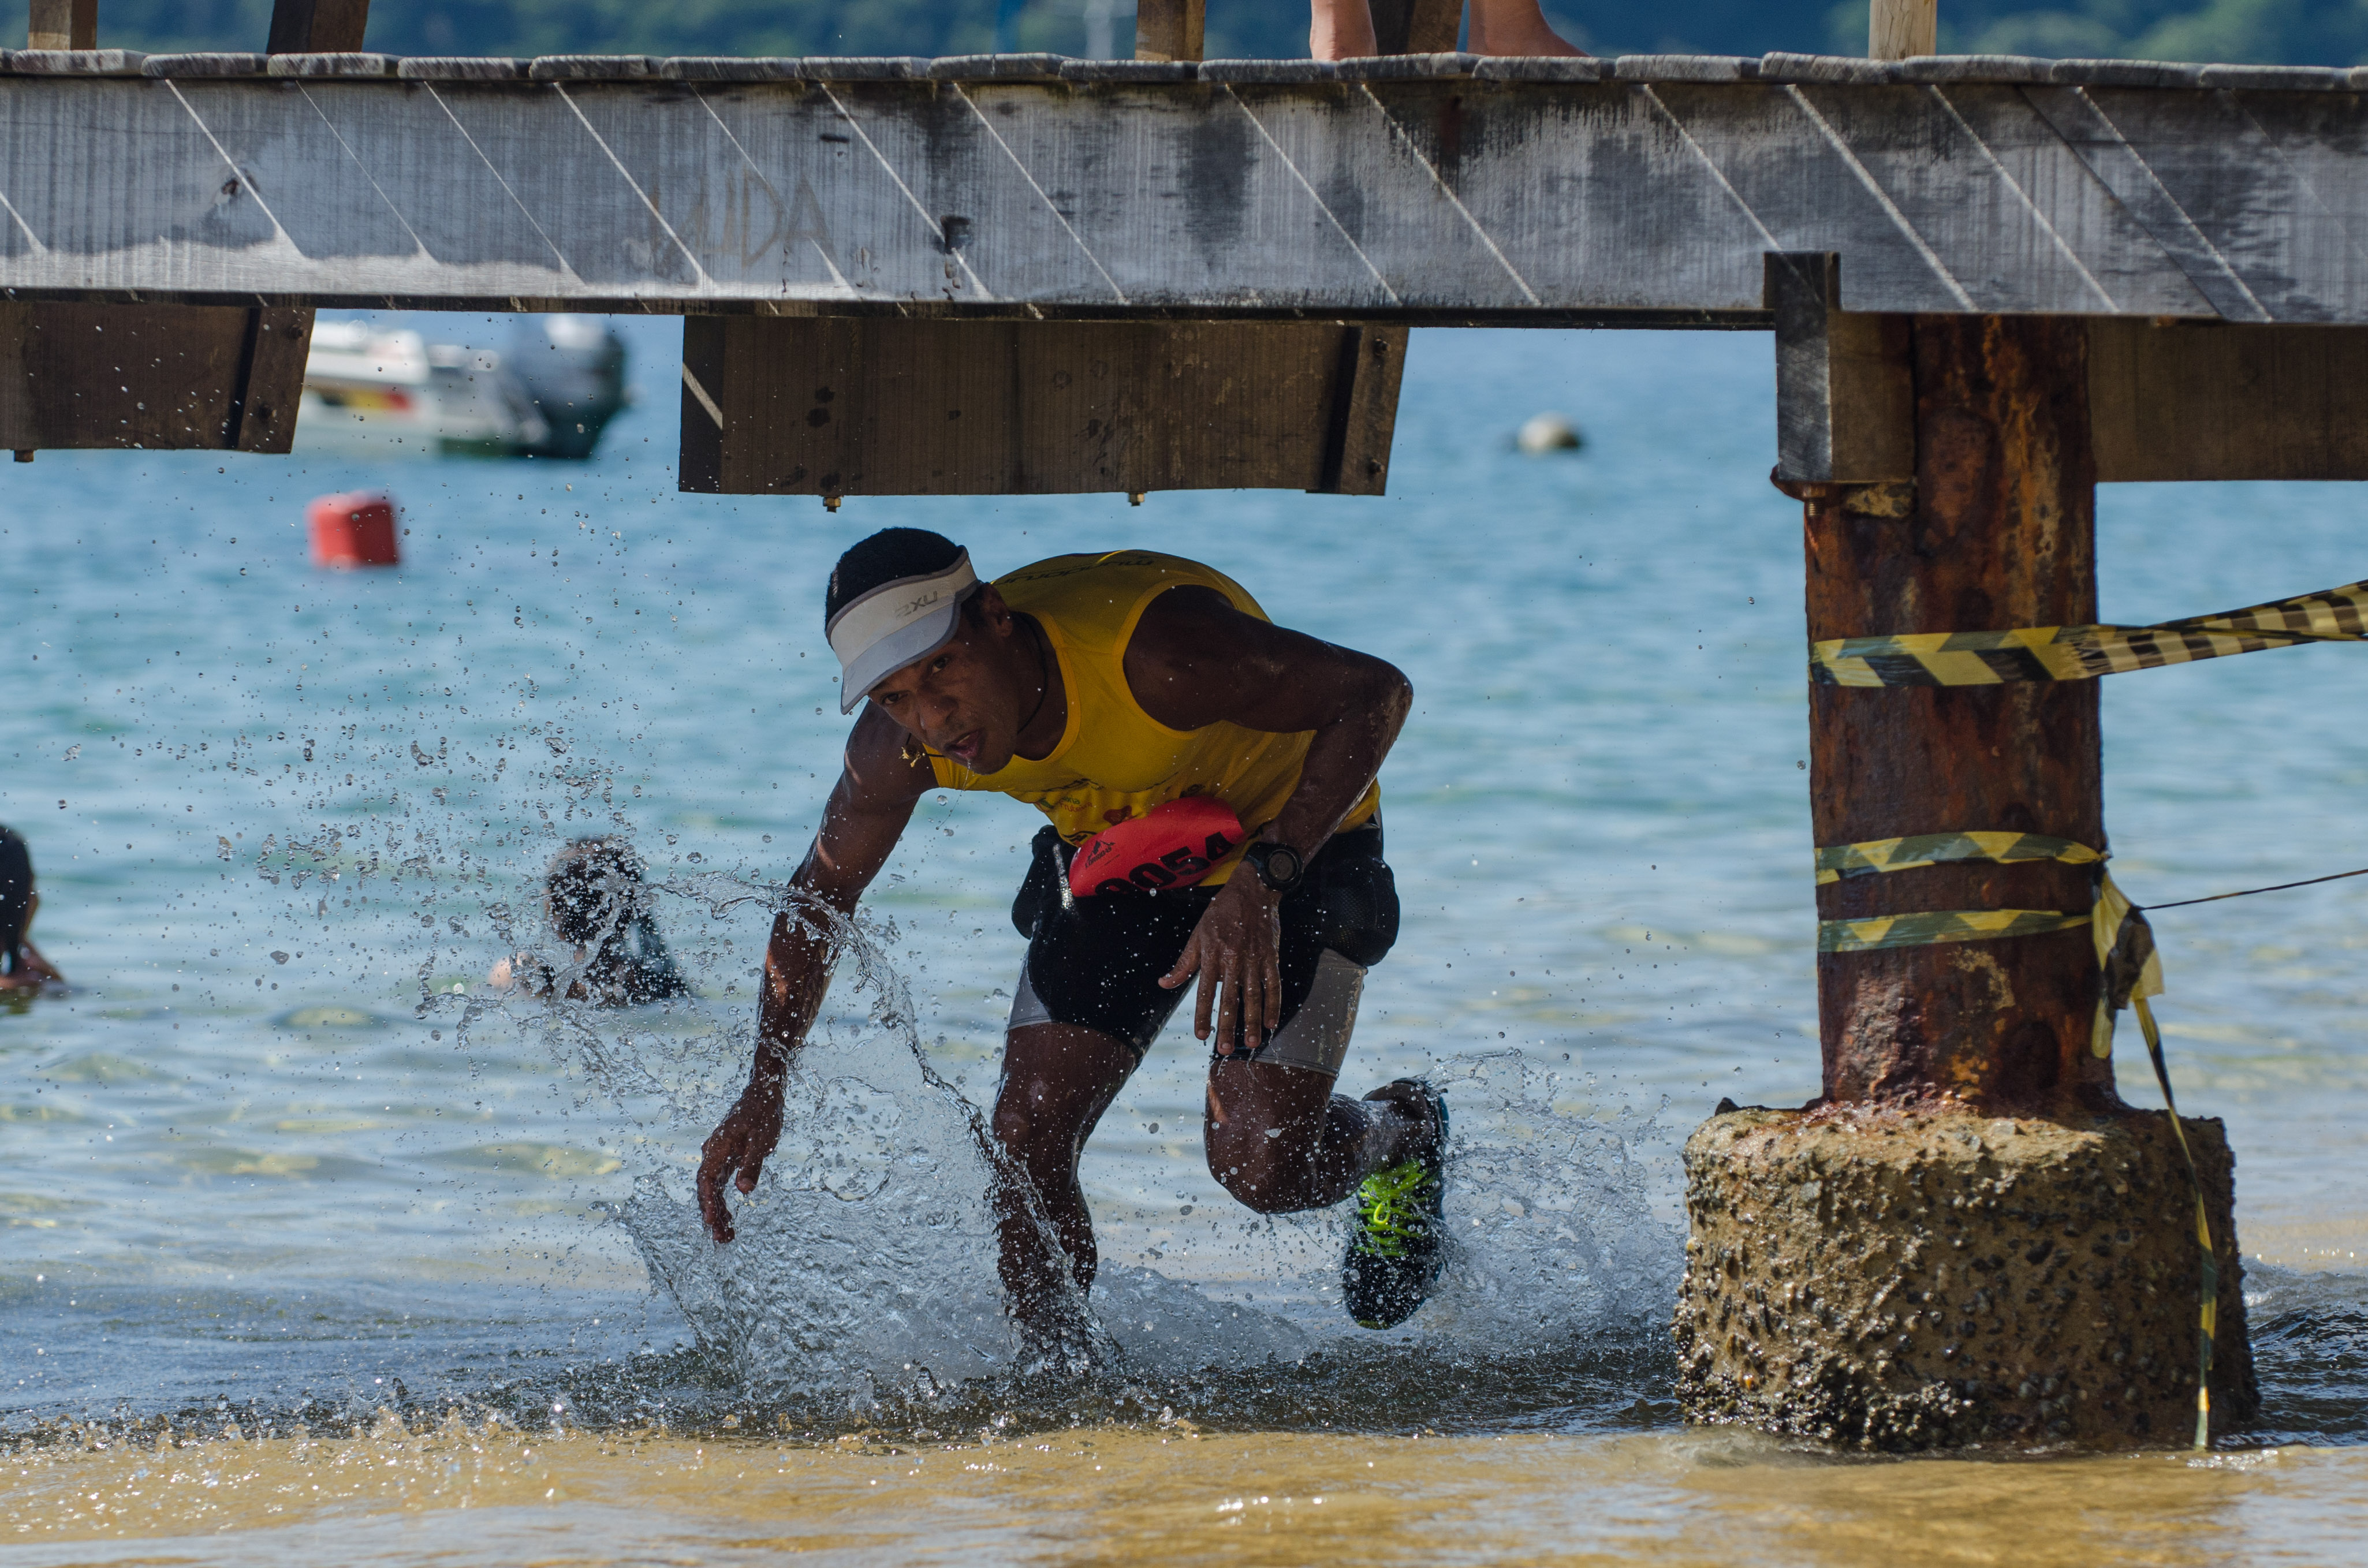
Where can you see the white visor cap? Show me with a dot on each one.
(894, 624)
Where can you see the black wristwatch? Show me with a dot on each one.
(1279, 866)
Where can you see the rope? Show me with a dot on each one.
(2247, 892)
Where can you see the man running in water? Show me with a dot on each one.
(1099, 689)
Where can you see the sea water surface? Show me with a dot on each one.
(313, 1247)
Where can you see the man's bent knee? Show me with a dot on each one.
(1255, 1167)
(1014, 1128)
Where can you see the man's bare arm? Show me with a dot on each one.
(1195, 660)
(861, 825)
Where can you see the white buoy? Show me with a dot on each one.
(1542, 433)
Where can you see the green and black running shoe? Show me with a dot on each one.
(1394, 1243)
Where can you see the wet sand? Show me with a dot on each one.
(457, 1496)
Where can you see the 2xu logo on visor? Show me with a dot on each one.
(1171, 846)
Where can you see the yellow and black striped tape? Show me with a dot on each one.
(1843, 862)
(1940, 926)
(2084, 653)
(1840, 862)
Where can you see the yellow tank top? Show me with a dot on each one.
(1114, 761)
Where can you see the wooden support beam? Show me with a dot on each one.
(1417, 27)
(2167, 400)
(317, 27)
(62, 24)
(1902, 29)
(2001, 533)
(2208, 400)
(1169, 29)
(880, 406)
(1845, 404)
(162, 377)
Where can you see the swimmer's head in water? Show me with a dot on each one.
(594, 889)
(15, 899)
(978, 674)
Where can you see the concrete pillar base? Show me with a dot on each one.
(1932, 1277)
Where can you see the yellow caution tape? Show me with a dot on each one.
(2126, 952)
(1842, 861)
(1882, 931)
(2084, 653)
(2209, 1285)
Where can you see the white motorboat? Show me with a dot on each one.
(393, 394)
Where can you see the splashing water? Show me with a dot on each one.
(864, 1268)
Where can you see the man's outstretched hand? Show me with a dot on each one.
(737, 1150)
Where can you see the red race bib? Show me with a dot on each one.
(1172, 845)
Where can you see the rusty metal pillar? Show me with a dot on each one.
(1967, 1238)
(2000, 532)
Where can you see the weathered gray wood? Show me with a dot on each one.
(2206, 400)
(1169, 29)
(837, 406)
(62, 24)
(1845, 386)
(317, 27)
(213, 377)
(1293, 187)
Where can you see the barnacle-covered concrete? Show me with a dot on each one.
(1917, 1278)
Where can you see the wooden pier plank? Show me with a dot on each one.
(2209, 401)
(846, 232)
(839, 407)
(154, 377)
(1597, 193)
(301, 180)
(1423, 245)
(2065, 205)
(1986, 235)
(1257, 188)
(2210, 169)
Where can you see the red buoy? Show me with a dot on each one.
(354, 530)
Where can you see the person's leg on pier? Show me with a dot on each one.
(1340, 30)
(1514, 27)
(1058, 1079)
(1343, 29)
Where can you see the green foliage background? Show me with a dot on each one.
(2328, 32)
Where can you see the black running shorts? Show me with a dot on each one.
(1096, 961)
